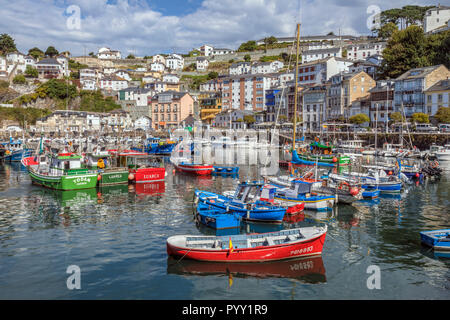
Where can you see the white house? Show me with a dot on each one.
(317, 54)
(221, 51)
(157, 66)
(64, 63)
(206, 50)
(240, 68)
(50, 68)
(123, 74)
(173, 78)
(201, 63)
(283, 78)
(175, 62)
(2, 64)
(107, 53)
(148, 79)
(144, 123)
(320, 71)
(159, 58)
(436, 18)
(365, 50)
(15, 57)
(266, 67)
(113, 83)
(109, 70)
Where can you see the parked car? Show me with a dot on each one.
(425, 127)
(444, 127)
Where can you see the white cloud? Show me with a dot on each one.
(133, 26)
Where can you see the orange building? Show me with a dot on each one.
(169, 108)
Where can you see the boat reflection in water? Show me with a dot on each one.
(150, 188)
(307, 270)
(69, 198)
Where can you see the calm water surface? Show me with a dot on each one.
(117, 236)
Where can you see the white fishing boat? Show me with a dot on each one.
(443, 154)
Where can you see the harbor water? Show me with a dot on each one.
(116, 236)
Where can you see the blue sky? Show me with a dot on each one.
(147, 27)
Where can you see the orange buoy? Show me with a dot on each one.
(99, 177)
(335, 159)
(354, 191)
(390, 173)
(131, 176)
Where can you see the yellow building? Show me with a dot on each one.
(210, 104)
(437, 96)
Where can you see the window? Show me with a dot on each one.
(429, 98)
(439, 97)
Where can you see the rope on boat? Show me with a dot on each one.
(184, 255)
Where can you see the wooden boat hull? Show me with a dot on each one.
(195, 169)
(439, 240)
(217, 219)
(302, 248)
(259, 214)
(112, 177)
(69, 182)
(145, 175)
(18, 155)
(320, 203)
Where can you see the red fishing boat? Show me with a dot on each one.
(30, 161)
(198, 169)
(142, 167)
(271, 246)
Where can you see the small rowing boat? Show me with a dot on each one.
(270, 246)
(193, 168)
(439, 240)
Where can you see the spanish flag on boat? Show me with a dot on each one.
(230, 247)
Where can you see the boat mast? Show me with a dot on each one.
(296, 86)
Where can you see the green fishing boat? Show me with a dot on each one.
(63, 171)
(107, 166)
(322, 154)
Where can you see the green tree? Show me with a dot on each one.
(7, 44)
(270, 40)
(359, 118)
(131, 56)
(31, 72)
(387, 30)
(438, 48)
(443, 115)
(212, 75)
(51, 51)
(405, 50)
(248, 46)
(420, 117)
(19, 79)
(36, 53)
(396, 117)
(249, 119)
(247, 58)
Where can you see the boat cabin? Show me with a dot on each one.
(297, 188)
(318, 148)
(247, 192)
(66, 163)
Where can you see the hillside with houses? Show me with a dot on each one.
(339, 77)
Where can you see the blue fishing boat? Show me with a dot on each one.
(16, 151)
(370, 193)
(217, 218)
(225, 171)
(301, 191)
(439, 240)
(245, 202)
(157, 146)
